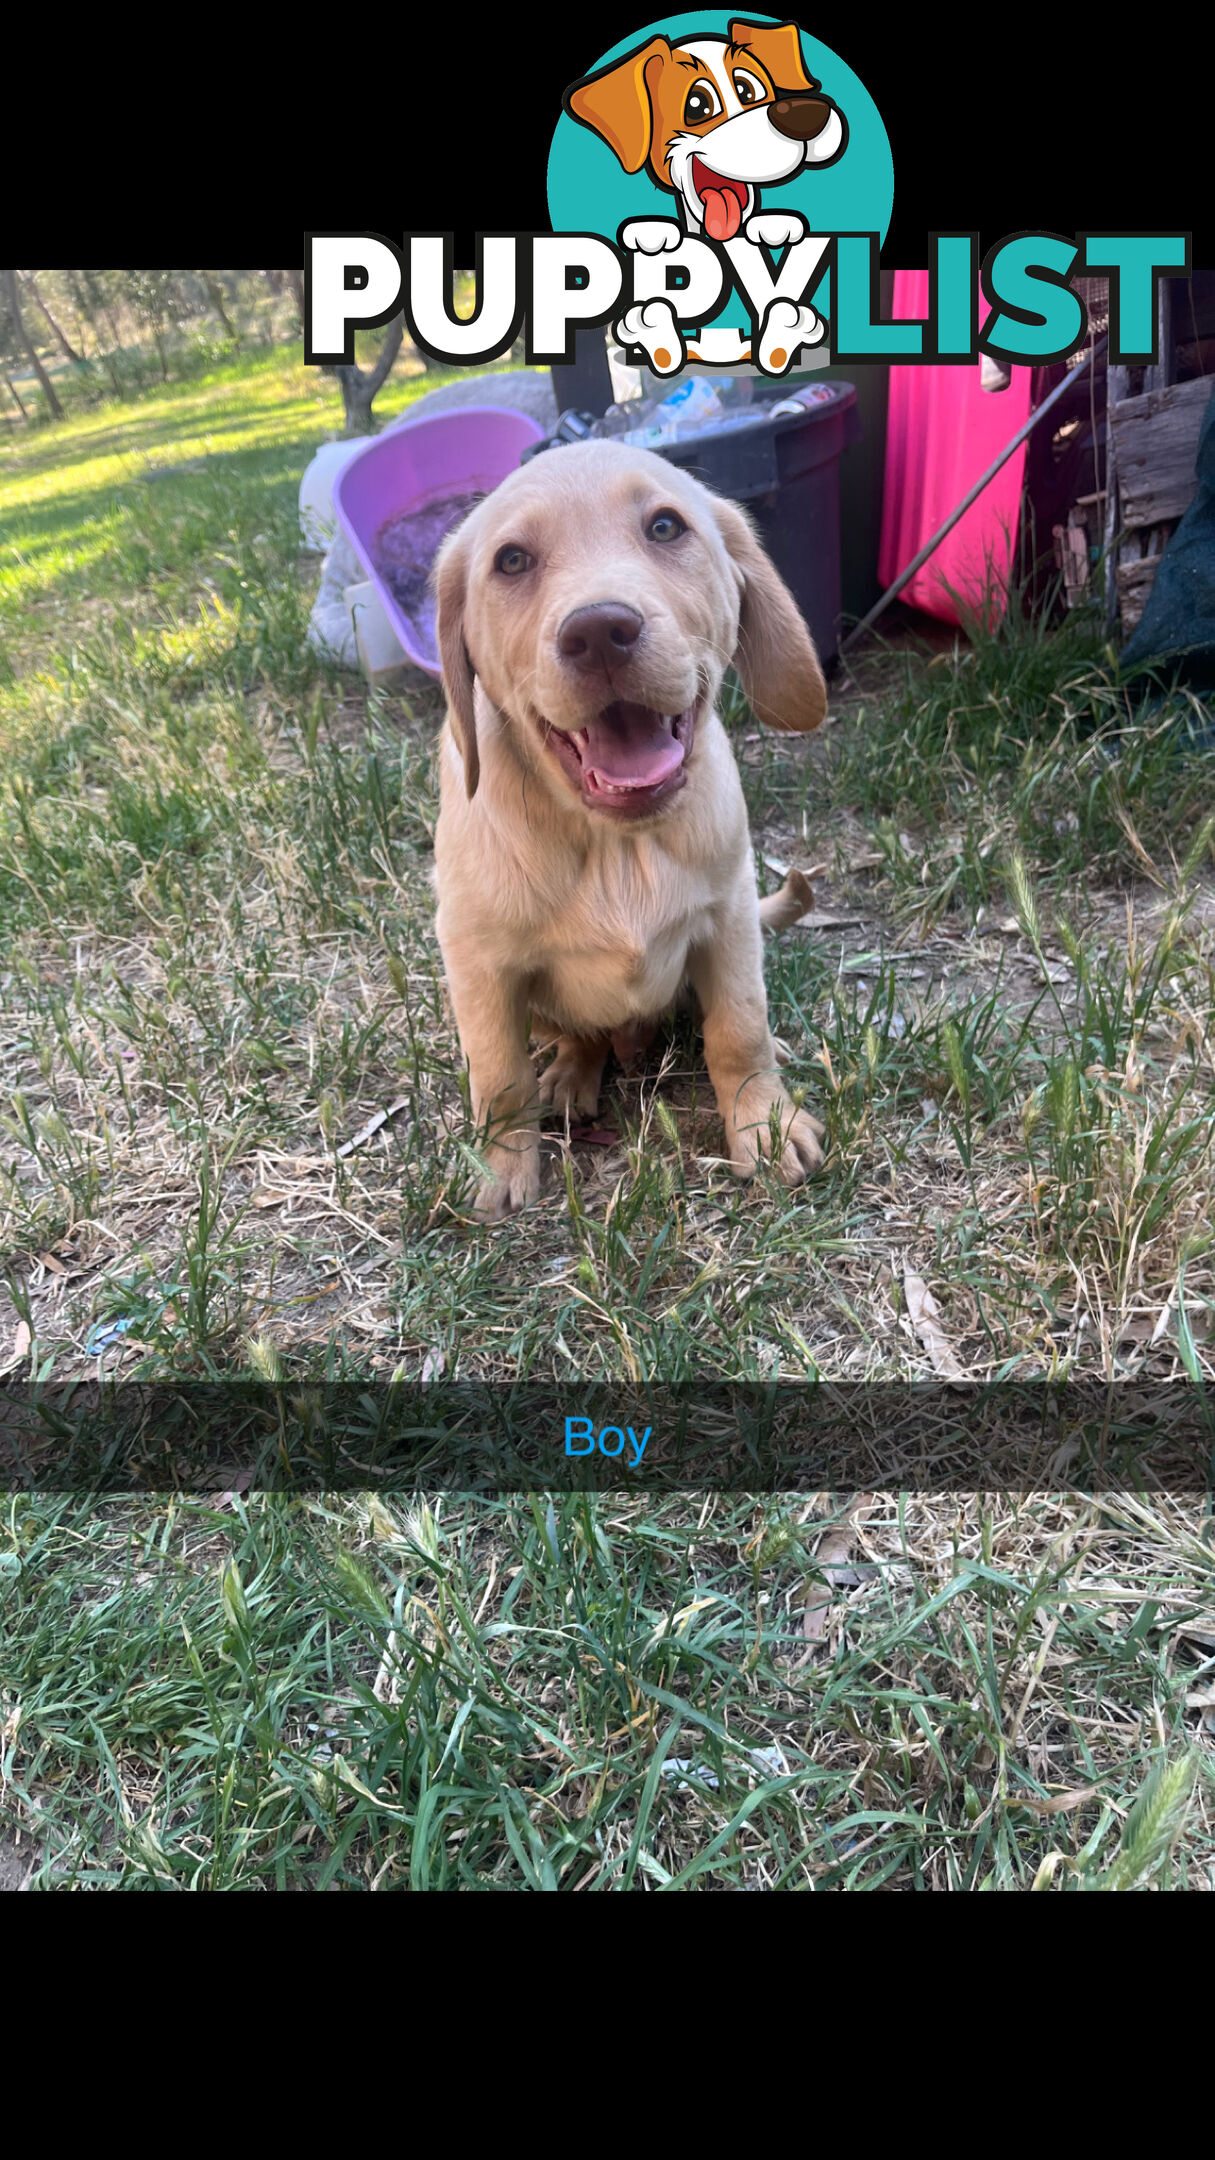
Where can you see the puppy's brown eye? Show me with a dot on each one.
(513, 561)
(702, 103)
(747, 90)
(667, 525)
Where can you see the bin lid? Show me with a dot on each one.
(815, 402)
(738, 454)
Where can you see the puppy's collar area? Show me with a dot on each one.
(628, 759)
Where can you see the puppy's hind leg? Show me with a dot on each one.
(778, 912)
(787, 906)
(570, 1083)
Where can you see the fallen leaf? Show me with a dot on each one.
(22, 1340)
(925, 1316)
(831, 1564)
(1057, 1803)
(240, 1484)
(373, 1125)
(781, 869)
(434, 1365)
(266, 1197)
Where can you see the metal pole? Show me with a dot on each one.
(930, 546)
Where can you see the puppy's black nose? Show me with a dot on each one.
(599, 637)
(800, 118)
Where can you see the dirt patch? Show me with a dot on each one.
(17, 1864)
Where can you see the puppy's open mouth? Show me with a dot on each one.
(722, 201)
(628, 760)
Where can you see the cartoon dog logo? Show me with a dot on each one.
(712, 120)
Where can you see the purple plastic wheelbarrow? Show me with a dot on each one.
(406, 490)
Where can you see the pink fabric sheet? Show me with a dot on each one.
(942, 432)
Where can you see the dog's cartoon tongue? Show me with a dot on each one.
(627, 746)
(722, 218)
(723, 201)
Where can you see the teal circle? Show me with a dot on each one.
(589, 190)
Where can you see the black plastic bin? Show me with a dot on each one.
(786, 472)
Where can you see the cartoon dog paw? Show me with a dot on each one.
(651, 236)
(652, 325)
(787, 328)
(775, 228)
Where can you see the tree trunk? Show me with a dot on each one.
(356, 405)
(82, 312)
(216, 297)
(359, 390)
(158, 337)
(295, 279)
(99, 300)
(48, 388)
(85, 308)
(68, 351)
(11, 387)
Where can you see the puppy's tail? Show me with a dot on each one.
(794, 899)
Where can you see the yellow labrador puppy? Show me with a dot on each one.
(592, 853)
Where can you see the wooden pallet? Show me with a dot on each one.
(1078, 546)
(1151, 475)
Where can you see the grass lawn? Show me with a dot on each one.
(218, 963)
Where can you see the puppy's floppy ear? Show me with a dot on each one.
(615, 103)
(778, 49)
(451, 581)
(777, 664)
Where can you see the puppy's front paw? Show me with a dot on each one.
(766, 1126)
(787, 328)
(651, 236)
(775, 228)
(652, 325)
(514, 1180)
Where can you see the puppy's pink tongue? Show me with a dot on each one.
(723, 215)
(629, 747)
